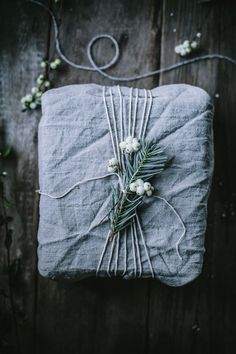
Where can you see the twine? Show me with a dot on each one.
(101, 69)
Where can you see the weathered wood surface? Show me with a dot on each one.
(116, 316)
(23, 43)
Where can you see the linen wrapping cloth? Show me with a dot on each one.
(75, 144)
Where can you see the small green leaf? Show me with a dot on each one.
(7, 151)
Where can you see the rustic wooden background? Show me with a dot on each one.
(116, 316)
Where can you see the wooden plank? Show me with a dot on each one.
(23, 39)
(114, 316)
(199, 318)
(136, 26)
(100, 315)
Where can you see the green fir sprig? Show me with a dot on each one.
(139, 167)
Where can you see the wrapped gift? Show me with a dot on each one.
(90, 136)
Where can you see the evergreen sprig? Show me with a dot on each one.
(145, 164)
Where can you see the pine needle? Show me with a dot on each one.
(145, 164)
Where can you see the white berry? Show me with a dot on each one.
(33, 105)
(57, 61)
(186, 44)
(53, 65)
(139, 182)
(34, 90)
(136, 146)
(149, 193)
(147, 186)
(47, 83)
(113, 162)
(40, 79)
(194, 44)
(122, 145)
(188, 50)
(183, 52)
(140, 190)
(28, 98)
(129, 139)
(133, 187)
(177, 49)
(129, 148)
(110, 169)
(38, 94)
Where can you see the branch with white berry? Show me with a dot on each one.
(33, 100)
(142, 161)
(187, 47)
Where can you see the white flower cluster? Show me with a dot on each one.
(130, 145)
(186, 48)
(113, 165)
(140, 187)
(33, 100)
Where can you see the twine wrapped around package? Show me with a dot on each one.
(80, 130)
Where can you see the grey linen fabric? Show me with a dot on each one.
(75, 144)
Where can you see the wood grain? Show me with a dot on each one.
(198, 318)
(23, 40)
(116, 316)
